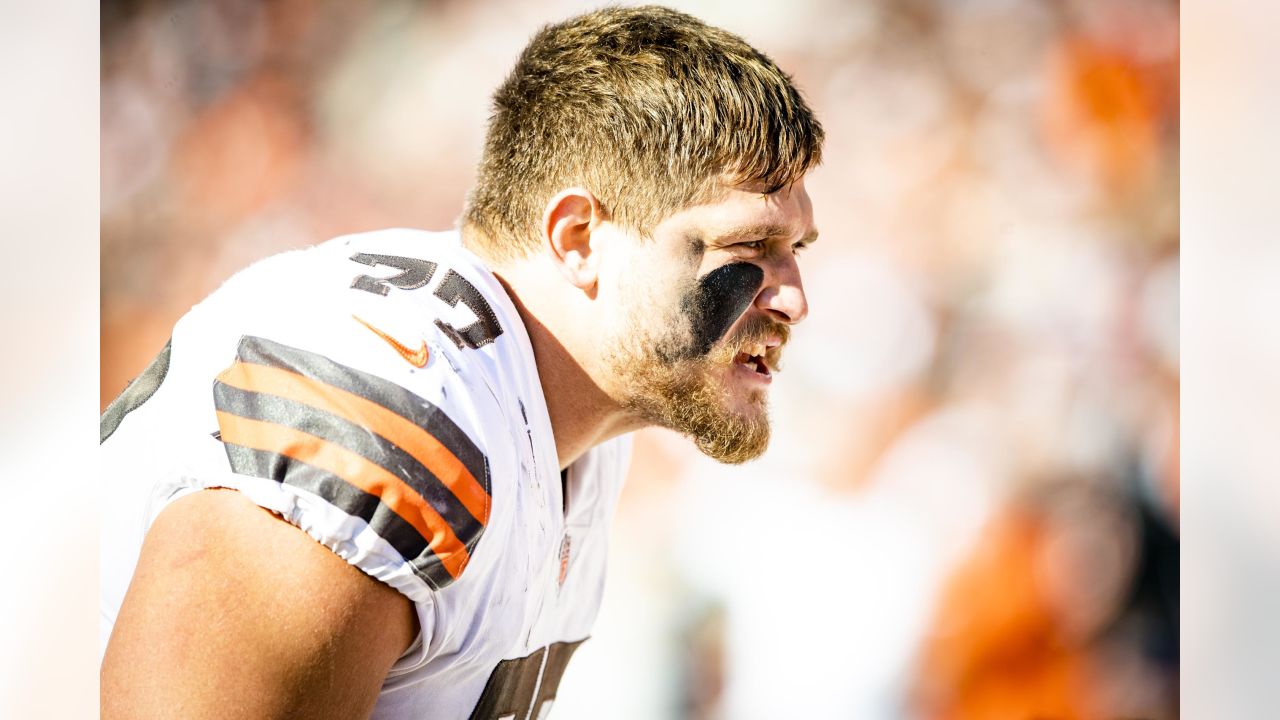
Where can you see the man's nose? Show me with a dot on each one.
(782, 297)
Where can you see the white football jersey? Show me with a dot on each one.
(379, 392)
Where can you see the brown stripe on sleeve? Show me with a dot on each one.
(358, 472)
(417, 441)
(419, 412)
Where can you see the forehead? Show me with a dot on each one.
(745, 213)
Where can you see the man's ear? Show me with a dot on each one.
(567, 224)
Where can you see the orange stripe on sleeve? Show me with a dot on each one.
(357, 471)
(415, 440)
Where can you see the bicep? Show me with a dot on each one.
(233, 612)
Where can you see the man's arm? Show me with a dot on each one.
(234, 613)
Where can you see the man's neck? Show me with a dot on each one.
(582, 414)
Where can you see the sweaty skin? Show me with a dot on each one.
(716, 302)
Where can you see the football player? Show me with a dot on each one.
(375, 477)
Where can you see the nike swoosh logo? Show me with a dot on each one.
(416, 358)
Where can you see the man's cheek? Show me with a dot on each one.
(718, 299)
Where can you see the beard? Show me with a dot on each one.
(664, 383)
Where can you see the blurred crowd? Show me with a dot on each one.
(970, 507)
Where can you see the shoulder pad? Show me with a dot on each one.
(363, 444)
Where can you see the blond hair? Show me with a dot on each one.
(646, 107)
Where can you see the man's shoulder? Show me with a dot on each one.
(402, 275)
(363, 390)
(392, 302)
(387, 259)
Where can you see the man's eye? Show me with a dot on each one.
(752, 246)
(799, 248)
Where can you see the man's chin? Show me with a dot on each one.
(735, 448)
(740, 429)
(730, 427)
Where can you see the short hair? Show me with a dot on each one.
(646, 107)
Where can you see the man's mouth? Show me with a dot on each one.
(756, 357)
(753, 362)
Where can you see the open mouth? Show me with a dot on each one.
(755, 363)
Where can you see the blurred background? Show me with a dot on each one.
(970, 508)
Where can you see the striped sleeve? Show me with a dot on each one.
(366, 446)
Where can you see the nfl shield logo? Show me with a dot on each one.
(564, 558)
